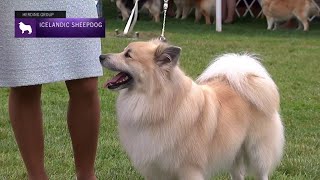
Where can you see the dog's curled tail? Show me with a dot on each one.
(248, 77)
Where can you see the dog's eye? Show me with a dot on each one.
(127, 54)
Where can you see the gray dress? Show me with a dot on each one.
(31, 61)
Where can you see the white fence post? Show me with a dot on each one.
(218, 16)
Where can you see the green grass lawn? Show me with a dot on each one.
(292, 58)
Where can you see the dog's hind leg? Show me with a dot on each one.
(205, 10)
(206, 14)
(264, 146)
(178, 12)
(305, 23)
(300, 26)
(275, 27)
(179, 8)
(238, 168)
(123, 9)
(197, 15)
(155, 11)
(302, 16)
(185, 12)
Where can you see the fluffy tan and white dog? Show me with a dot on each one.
(205, 8)
(280, 10)
(175, 128)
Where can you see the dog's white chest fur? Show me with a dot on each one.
(136, 137)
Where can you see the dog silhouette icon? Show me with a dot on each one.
(24, 27)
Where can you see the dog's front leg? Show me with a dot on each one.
(190, 174)
(270, 22)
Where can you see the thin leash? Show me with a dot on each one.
(133, 18)
(165, 8)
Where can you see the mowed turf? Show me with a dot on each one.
(291, 57)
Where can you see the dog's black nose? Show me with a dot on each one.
(102, 57)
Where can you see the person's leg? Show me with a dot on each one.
(224, 10)
(26, 120)
(170, 10)
(231, 6)
(83, 123)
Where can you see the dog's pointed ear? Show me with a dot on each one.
(167, 56)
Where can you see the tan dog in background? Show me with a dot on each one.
(205, 8)
(202, 7)
(280, 10)
(174, 128)
(153, 6)
(184, 8)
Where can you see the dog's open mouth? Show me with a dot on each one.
(120, 81)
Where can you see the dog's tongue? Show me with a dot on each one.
(115, 79)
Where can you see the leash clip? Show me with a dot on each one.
(162, 38)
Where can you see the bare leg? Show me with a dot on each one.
(171, 12)
(231, 6)
(26, 119)
(83, 123)
(224, 10)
